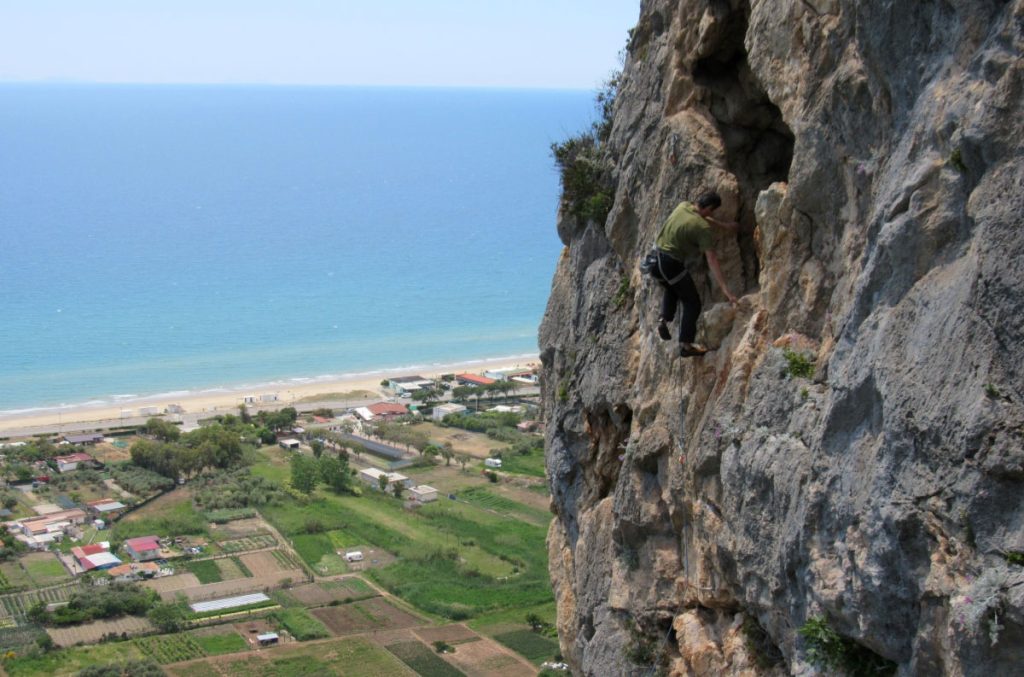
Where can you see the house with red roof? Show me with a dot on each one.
(72, 461)
(143, 548)
(473, 380)
(95, 556)
(383, 411)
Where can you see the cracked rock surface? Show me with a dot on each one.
(706, 509)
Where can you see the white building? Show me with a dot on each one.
(289, 443)
(371, 477)
(442, 410)
(423, 493)
(493, 462)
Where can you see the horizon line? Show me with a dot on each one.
(311, 85)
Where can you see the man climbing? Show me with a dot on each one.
(684, 237)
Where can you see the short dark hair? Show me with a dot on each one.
(709, 200)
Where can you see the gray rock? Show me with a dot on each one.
(707, 508)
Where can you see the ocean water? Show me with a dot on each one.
(162, 239)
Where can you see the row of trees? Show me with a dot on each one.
(489, 391)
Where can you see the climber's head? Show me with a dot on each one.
(707, 203)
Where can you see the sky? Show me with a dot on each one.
(564, 44)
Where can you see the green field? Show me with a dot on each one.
(531, 464)
(455, 560)
(485, 498)
(206, 571)
(300, 624)
(215, 645)
(165, 517)
(423, 660)
(170, 648)
(528, 643)
(70, 661)
(44, 569)
(348, 657)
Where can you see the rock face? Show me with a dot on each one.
(707, 509)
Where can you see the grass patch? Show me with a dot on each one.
(798, 365)
(531, 465)
(424, 661)
(206, 571)
(312, 547)
(830, 651)
(485, 498)
(45, 569)
(527, 643)
(300, 624)
(176, 519)
(215, 645)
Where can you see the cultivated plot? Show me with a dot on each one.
(371, 614)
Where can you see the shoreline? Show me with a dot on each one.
(222, 399)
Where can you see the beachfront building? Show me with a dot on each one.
(407, 385)
(73, 461)
(87, 438)
(382, 411)
(473, 380)
(143, 548)
(442, 410)
(423, 493)
(371, 477)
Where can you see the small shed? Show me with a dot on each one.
(267, 638)
(423, 493)
(289, 443)
(493, 462)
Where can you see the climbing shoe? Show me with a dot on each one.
(663, 331)
(691, 350)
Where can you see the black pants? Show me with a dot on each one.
(683, 290)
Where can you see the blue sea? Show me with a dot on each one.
(164, 239)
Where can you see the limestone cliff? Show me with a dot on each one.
(707, 509)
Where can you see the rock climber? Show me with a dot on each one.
(686, 235)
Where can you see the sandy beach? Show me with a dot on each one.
(225, 400)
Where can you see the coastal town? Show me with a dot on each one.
(175, 542)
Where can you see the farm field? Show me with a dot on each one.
(436, 547)
(17, 604)
(88, 633)
(487, 658)
(44, 569)
(477, 445)
(325, 592)
(348, 657)
(170, 648)
(491, 500)
(372, 614)
(527, 643)
(215, 641)
(423, 660)
(246, 543)
(70, 661)
(452, 634)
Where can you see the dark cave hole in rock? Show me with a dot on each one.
(758, 143)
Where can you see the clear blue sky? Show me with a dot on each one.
(494, 43)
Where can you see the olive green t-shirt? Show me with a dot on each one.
(686, 234)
